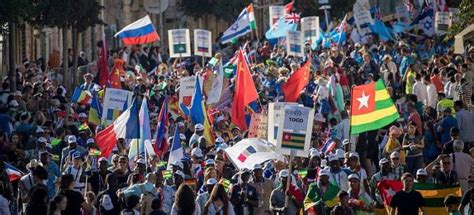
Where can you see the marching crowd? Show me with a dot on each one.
(44, 136)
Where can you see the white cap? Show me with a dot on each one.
(196, 152)
(90, 140)
(319, 118)
(332, 157)
(141, 161)
(82, 115)
(340, 153)
(345, 142)
(13, 103)
(354, 154)
(71, 139)
(42, 140)
(382, 161)
(284, 173)
(210, 162)
(324, 172)
(39, 130)
(219, 140)
(180, 173)
(103, 159)
(182, 136)
(178, 164)
(211, 181)
(395, 155)
(353, 176)
(314, 153)
(199, 127)
(421, 172)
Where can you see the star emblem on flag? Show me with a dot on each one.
(235, 26)
(428, 25)
(363, 100)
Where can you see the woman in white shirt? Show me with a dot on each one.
(184, 202)
(218, 203)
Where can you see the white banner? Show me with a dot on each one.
(202, 43)
(294, 44)
(114, 102)
(274, 113)
(296, 124)
(310, 28)
(443, 20)
(215, 92)
(248, 152)
(402, 13)
(258, 126)
(362, 16)
(187, 86)
(179, 43)
(275, 13)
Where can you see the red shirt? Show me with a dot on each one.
(437, 82)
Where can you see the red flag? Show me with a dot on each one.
(117, 70)
(289, 7)
(102, 64)
(388, 188)
(245, 92)
(297, 82)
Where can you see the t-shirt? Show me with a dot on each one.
(74, 201)
(407, 203)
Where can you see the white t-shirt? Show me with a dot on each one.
(174, 210)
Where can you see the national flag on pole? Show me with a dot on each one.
(371, 107)
(103, 68)
(297, 82)
(161, 145)
(329, 146)
(293, 140)
(12, 172)
(434, 195)
(289, 22)
(289, 7)
(138, 146)
(125, 126)
(313, 197)
(176, 152)
(81, 96)
(244, 93)
(425, 20)
(95, 111)
(388, 188)
(240, 27)
(252, 23)
(140, 32)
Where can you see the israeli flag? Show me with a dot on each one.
(240, 27)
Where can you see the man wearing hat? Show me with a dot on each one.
(317, 198)
(383, 174)
(359, 200)
(354, 167)
(337, 175)
(202, 198)
(198, 132)
(72, 145)
(77, 171)
(96, 179)
(422, 177)
(264, 189)
(244, 197)
(279, 194)
(88, 84)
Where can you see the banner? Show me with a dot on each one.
(362, 16)
(187, 85)
(443, 20)
(274, 119)
(215, 91)
(402, 13)
(275, 13)
(202, 43)
(310, 28)
(179, 43)
(115, 102)
(296, 124)
(294, 44)
(248, 152)
(258, 126)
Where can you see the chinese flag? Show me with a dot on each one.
(296, 83)
(245, 92)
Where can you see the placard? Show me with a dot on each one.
(258, 126)
(187, 86)
(294, 44)
(443, 20)
(202, 43)
(275, 13)
(274, 119)
(402, 13)
(310, 28)
(296, 124)
(114, 103)
(363, 20)
(179, 43)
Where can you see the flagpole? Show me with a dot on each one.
(350, 115)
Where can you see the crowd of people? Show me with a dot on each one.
(43, 136)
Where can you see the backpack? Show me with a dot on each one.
(146, 199)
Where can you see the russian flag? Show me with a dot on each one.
(13, 173)
(125, 126)
(140, 32)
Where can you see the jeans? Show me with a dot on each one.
(414, 163)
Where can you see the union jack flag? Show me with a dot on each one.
(411, 7)
(377, 13)
(292, 18)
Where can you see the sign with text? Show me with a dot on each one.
(362, 16)
(274, 113)
(179, 43)
(114, 103)
(296, 124)
(187, 86)
(294, 44)
(310, 28)
(202, 43)
(275, 13)
(443, 20)
(258, 126)
(402, 13)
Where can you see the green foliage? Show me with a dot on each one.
(227, 10)
(466, 18)
(12, 11)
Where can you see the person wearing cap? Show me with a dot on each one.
(359, 200)
(319, 193)
(178, 179)
(354, 167)
(76, 169)
(445, 125)
(203, 197)
(407, 201)
(383, 174)
(72, 146)
(88, 84)
(264, 189)
(198, 132)
(337, 175)
(140, 168)
(422, 177)
(413, 145)
(314, 165)
(198, 164)
(244, 196)
(96, 179)
(34, 153)
(36, 177)
(278, 195)
(396, 167)
(53, 171)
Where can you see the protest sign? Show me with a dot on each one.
(114, 103)
(186, 89)
(443, 20)
(274, 119)
(294, 44)
(402, 13)
(258, 126)
(202, 43)
(179, 43)
(296, 124)
(275, 13)
(362, 16)
(310, 28)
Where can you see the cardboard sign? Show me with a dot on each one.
(114, 103)
(202, 43)
(294, 44)
(296, 124)
(179, 43)
(275, 13)
(443, 20)
(310, 28)
(402, 13)
(274, 114)
(258, 126)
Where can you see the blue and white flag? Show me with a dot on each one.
(289, 22)
(240, 27)
(425, 20)
(176, 152)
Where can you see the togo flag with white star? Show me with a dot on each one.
(371, 107)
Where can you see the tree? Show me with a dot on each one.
(466, 18)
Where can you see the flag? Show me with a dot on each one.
(176, 152)
(114, 79)
(12, 172)
(289, 22)
(215, 92)
(313, 197)
(125, 126)
(434, 195)
(248, 152)
(425, 20)
(226, 183)
(84, 126)
(94, 152)
(289, 7)
(161, 146)
(388, 188)
(140, 32)
(329, 146)
(81, 96)
(372, 108)
(103, 68)
(240, 27)
(95, 111)
(293, 140)
(251, 14)
(166, 174)
(244, 93)
(137, 147)
(381, 30)
(297, 82)
(198, 112)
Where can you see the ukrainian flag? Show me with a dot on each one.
(95, 111)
